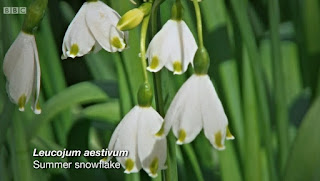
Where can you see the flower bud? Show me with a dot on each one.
(201, 61)
(134, 17)
(34, 15)
(145, 95)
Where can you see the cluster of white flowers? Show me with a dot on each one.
(142, 131)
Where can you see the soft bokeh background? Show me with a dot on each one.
(264, 64)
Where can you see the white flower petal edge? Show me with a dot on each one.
(78, 39)
(93, 28)
(137, 133)
(151, 150)
(184, 114)
(102, 21)
(215, 121)
(173, 47)
(126, 139)
(22, 69)
(197, 105)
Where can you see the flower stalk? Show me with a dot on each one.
(199, 22)
(144, 29)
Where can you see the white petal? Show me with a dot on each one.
(36, 82)
(149, 124)
(184, 47)
(188, 122)
(152, 150)
(18, 67)
(78, 34)
(157, 52)
(214, 118)
(175, 46)
(156, 160)
(102, 22)
(127, 140)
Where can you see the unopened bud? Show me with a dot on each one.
(134, 17)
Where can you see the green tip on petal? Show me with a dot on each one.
(129, 165)
(74, 50)
(104, 159)
(177, 67)
(161, 131)
(22, 102)
(154, 167)
(218, 140)
(182, 136)
(37, 109)
(154, 62)
(229, 134)
(116, 42)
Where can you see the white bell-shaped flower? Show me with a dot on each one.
(138, 132)
(22, 69)
(173, 47)
(93, 28)
(197, 106)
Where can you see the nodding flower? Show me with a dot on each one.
(22, 68)
(93, 28)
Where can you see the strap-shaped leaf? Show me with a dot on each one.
(304, 160)
(81, 93)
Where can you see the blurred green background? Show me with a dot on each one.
(265, 58)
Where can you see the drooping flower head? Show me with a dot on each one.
(140, 133)
(93, 28)
(197, 106)
(173, 46)
(22, 69)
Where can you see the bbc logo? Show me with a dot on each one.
(14, 10)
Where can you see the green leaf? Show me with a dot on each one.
(109, 111)
(304, 160)
(81, 93)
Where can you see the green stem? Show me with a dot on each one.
(171, 173)
(278, 82)
(144, 29)
(199, 22)
(194, 163)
